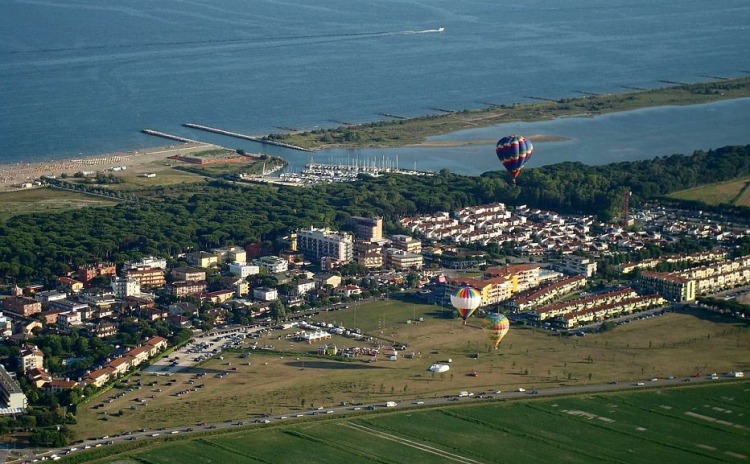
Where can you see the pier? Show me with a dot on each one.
(640, 89)
(715, 77)
(244, 136)
(391, 115)
(588, 94)
(442, 110)
(673, 82)
(164, 135)
(540, 98)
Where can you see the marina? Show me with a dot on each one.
(319, 173)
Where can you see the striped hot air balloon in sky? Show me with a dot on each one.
(496, 326)
(514, 151)
(466, 300)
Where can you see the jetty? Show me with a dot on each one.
(588, 94)
(391, 115)
(442, 110)
(673, 82)
(156, 133)
(252, 138)
(540, 98)
(640, 89)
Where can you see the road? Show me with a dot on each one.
(359, 408)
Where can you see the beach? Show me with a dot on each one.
(17, 175)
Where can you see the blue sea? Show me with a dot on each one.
(83, 77)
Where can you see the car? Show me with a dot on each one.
(614, 382)
(419, 402)
(521, 389)
(654, 379)
(640, 384)
(154, 434)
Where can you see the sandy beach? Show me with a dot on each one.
(13, 176)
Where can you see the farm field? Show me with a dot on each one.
(701, 423)
(735, 192)
(289, 377)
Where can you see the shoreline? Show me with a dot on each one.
(14, 175)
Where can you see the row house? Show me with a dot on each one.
(54, 386)
(687, 284)
(553, 311)
(493, 290)
(22, 306)
(600, 313)
(530, 299)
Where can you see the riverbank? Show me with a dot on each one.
(17, 175)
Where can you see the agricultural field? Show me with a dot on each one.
(46, 200)
(701, 423)
(284, 376)
(735, 192)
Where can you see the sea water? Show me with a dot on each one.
(83, 77)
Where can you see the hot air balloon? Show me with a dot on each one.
(496, 326)
(514, 151)
(466, 300)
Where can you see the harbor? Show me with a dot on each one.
(317, 173)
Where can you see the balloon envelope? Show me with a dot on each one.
(514, 152)
(466, 300)
(496, 326)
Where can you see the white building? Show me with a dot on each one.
(273, 264)
(11, 391)
(125, 286)
(574, 264)
(243, 269)
(148, 262)
(320, 243)
(265, 294)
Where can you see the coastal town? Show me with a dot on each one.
(557, 256)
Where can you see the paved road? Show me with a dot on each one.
(144, 434)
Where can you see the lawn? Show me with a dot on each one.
(46, 200)
(291, 378)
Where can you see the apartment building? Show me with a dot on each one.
(321, 243)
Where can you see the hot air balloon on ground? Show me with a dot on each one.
(496, 326)
(466, 300)
(514, 151)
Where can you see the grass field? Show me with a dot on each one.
(735, 192)
(292, 379)
(45, 200)
(702, 423)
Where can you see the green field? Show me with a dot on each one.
(290, 378)
(701, 423)
(734, 192)
(46, 200)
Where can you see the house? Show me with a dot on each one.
(183, 308)
(328, 279)
(98, 377)
(89, 272)
(58, 385)
(69, 285)
(348, 291)
(243, 270)
(219, 296)
(38, 376)
(203, 259)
